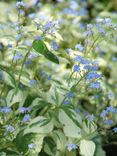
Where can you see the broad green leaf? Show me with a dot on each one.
(13, 97)
(40, 47)
(39, 125)
(22, 142)
(89, 127)
(71, 129)
(87, 148)
(60, 140)
(8, 77)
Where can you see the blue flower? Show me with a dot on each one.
(93, 75)
(104, 113)
(48, 25)
(76, 68)
(71, 147)
(66, 102)
(54, 45)
(92, 68)
(90, 117)
(79, 59)
(108, 122)
(28, 43)
(26, 118)
(32, 55)
(17, 57)
(32, 82)
(18, 37)
(31, 146)
(70, 95)
(115, 129)
(79, 47)
(20, 5)
(9, 128)
(107, 21)
(39, 38)
(94, 85)
(49, 77)
(102, 31)
(5, 109)
(111, 109)
(24, 109)
(69, 50)
(9, 45)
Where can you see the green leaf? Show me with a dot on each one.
(22, 142)
(13, 97)
(87, 148)
(8, 77)
(39, 125)
(40, 47)
(60, 140)
(70, 124)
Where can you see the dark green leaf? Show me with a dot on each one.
(40, 47)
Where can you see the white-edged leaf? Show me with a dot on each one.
(87, 148)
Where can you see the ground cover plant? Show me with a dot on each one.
(58, 81)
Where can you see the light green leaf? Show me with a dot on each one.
(13, 97)
(39, 125)
(71, 129)
(87, 148)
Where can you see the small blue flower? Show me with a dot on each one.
(31, 146)
(32, 82)
(32, 56)
(76, 68)
(54, 45)
(90, 117)
(102, 31)
(69, 50)
(71, 147)
(115, 129)
(9, 45)
(69, 95)
(32, 15)
(18, 37)
(104, 113)
(20, 5)
(92, 68)
(24, 109)
(49, 77)
(95, 85)
(93, 75)
(48, 25)
(107, 22)
(9, 128)
(28, 63)
(79, 47)
(66, 102)
(5, 109)
(89, 26)
(26, 118)
(28, 43)
(40, 38)
(108, 122)
(79, 59)
(111, 109)
(17, 57)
